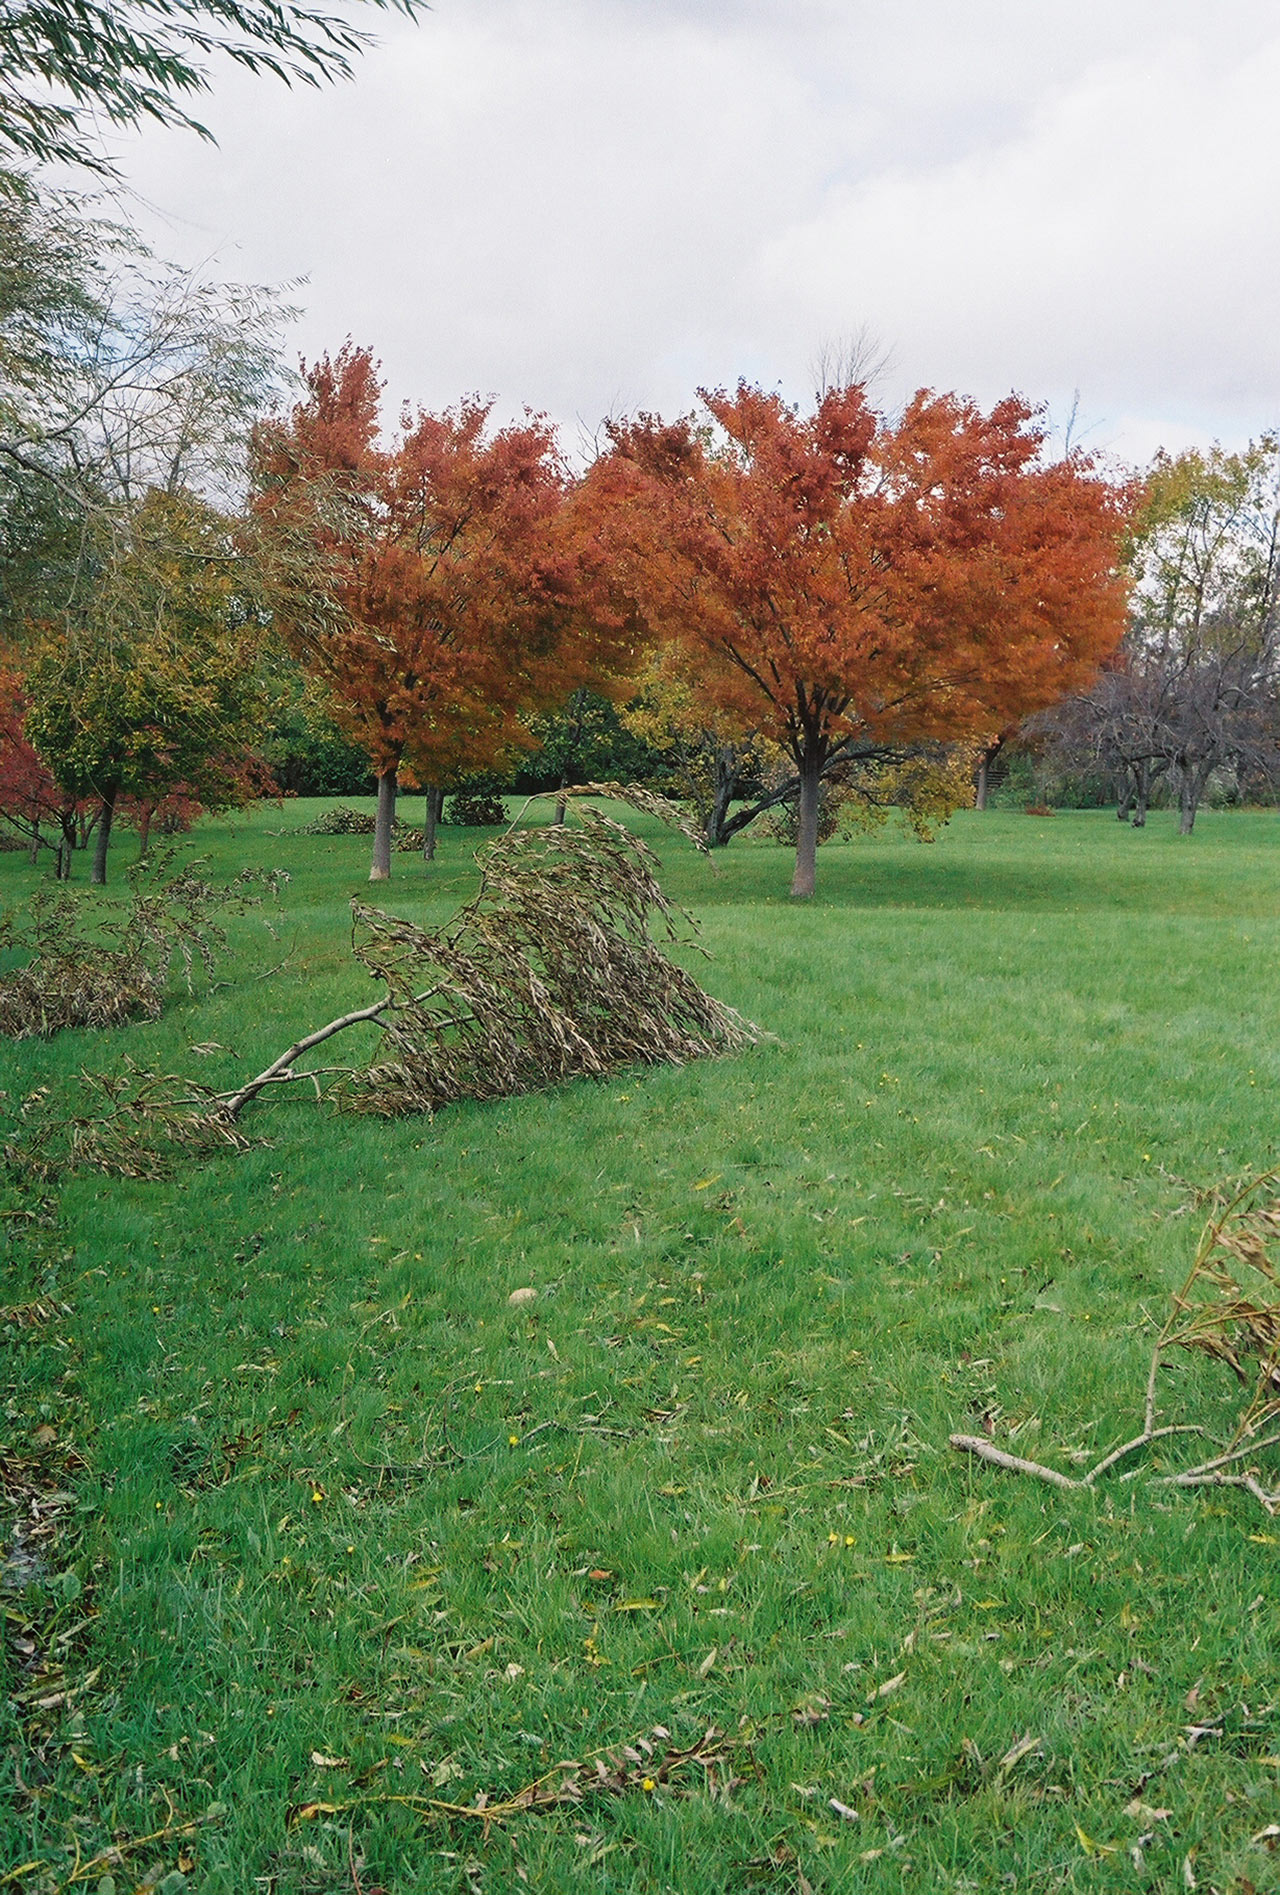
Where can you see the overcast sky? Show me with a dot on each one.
(592, 206)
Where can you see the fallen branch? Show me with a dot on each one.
(987, 1451)
(646, 1765)
(1217, 1312)
(551, 972)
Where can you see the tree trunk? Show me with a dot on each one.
(435, 807)
(718, 835)
(381, 868)
(36, 840)
(562, 801)
(1124, 797)
(66, 846)
(1142, 798)
(980, 791)
(144, 828)
(805, 879)
(98, 877)
(1190, 790)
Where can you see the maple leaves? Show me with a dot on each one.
(458, 578)
(844, 584)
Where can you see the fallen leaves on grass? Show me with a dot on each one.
(644, 1767)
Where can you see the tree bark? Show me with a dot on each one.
(98, 877)
(1142, 799)
(66, 846)
(980, 792)
(380, 870)
(435, 807)
(1190, 791)
(805, 879)
(718, 834)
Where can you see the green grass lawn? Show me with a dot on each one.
(340, 1500)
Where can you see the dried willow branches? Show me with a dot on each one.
(1228, 1309)
(91, 967)
(549, 973)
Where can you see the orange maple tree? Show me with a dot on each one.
(845, 583)
(461, 570)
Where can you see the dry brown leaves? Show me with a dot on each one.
(90, 967)
(549, 973)
(648, 1766)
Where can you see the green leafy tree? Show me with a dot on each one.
(151, 679)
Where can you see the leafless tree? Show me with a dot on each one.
(1196, 688)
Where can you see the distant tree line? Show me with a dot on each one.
(219, 581)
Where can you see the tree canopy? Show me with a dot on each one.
(847, 584)
(453, 608)
(67, 64)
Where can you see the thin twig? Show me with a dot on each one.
(1138, 1441)
(1223, 1460)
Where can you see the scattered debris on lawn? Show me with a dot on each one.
(648, 1766)
(547, 974)
(1229, 1309)
(92, 966)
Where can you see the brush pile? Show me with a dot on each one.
(549, 973)
(91, 965)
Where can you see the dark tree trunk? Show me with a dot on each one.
(431, 821)
(718, 834)
(36, 840)
(98, 875)
(1190, 790)
(805, 879)
(985, 762)
(66, 846)
(144, 828)
(562, 802)
(380, 870)
(1142, 797)
(1124, 797)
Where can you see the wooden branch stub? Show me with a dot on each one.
(986, 1451)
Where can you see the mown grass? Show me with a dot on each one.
(340, 1497)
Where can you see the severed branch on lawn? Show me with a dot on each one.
(549, 973)
(1220, 1311)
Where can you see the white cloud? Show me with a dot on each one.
(594, 204)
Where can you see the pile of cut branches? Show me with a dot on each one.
(95, 967)
(549, 973)
(341, 820)
(1228, 1309)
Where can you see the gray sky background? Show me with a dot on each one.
(592, 206)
